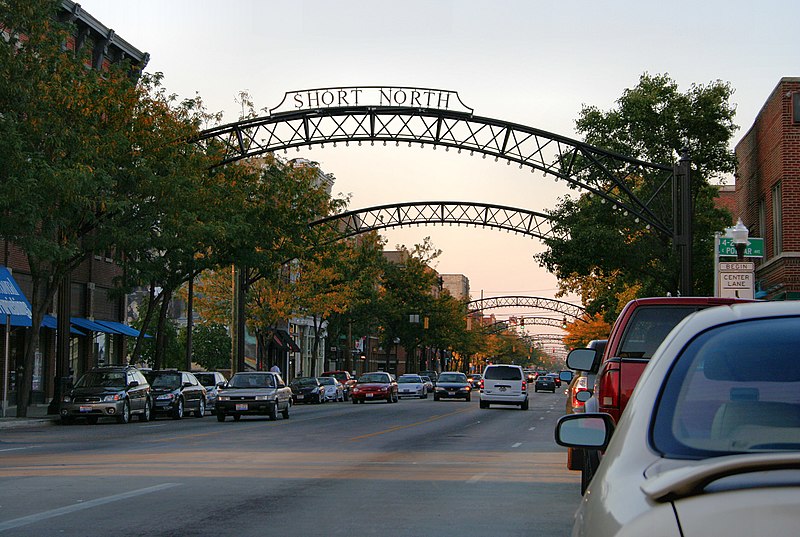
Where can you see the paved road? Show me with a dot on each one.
(415, 468)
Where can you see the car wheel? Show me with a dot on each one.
(125, 415)
(285, 411)
(468, 398)
(92, 420)
(435, 397)
(220, 416)
(355, 401)
(273, 412)
(237, 417)
(535, 390)
(201, 409)
(145, 416)
(590, 462)
(178, 412)
(524, 405)
(67, 420)
(484, 404)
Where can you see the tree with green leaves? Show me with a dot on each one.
(604, 254)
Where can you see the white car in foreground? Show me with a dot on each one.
(709, 444)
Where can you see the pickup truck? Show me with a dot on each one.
(638, 331)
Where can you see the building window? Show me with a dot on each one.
(796, 107)
(762, 218)
(777, 220)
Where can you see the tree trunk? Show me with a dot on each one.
(161, 334)
(151, 304)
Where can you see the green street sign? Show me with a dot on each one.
(754, 248)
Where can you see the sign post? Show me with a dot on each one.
(730, 281)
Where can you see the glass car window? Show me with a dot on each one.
(452, 377)
(246, 380)
(374, 377)
(734, 389)
(168, 381)
(502, 373)
(647, 329)
(102, 379)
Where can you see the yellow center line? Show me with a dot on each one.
(400, 427)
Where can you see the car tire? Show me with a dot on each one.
(220, 416)
(92, 420)
(355, 401)
(273, 412)
(201, 409)
(237, 417)
(468, 398)
(524, 405)
(590, 462)
(145, 416)
(484, 404)
(178, 412)
(435, 397)
(125, 415)
(67, 420)
(285, 411)
(536, 390)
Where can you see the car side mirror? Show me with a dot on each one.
(583, 396)
(281, 385)
(581, 359)
(588, 431)
(565, 376)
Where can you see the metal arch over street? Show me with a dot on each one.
(425, 116)
(564, 308)
(499, 326)
(510, 219)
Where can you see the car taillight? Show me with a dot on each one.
(524, 385)
(480, 384)
(609, 386)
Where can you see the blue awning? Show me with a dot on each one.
(121, 328)
(13, 303)
(51, 322)
(92, 326)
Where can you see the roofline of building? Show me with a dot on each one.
(782, 81)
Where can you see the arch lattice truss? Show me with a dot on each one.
(550, 304)
(511, 219)
(500, 326)
(609, 175)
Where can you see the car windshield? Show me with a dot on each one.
(205, 379)
(409, 380)
(328, 381)
(452, 377)
(648, 327)
(166, 380)
(102, 379)
(502, 372)
(382, 378)
(734, 389)
(250, 380)
(305, 381)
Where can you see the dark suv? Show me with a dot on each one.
(116, 391)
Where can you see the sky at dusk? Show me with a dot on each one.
(529, 62)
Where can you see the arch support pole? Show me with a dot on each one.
(683, 214)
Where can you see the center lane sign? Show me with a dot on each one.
(737, 280)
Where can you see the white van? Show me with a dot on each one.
(504, 384)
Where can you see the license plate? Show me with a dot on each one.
(502, 388)
(86, 409)
(241, 406)
(369, 395)
(300, 397)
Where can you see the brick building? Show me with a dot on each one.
(96, 321)
(768, 189)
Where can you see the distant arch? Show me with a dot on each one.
(551, 304)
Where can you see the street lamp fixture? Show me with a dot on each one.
(740, 233)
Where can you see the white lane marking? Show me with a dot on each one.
(18, 448)
(32, 519)
(532, 428)
(152, 425)
(516, 444)
(476, 477)
(540, 419)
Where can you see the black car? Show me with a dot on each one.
(452, 385)
(545, 382)
(176, 393)
(307, 390)
(117, 392)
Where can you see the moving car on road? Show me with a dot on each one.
(452, 385)
(504, 384)
(377, 386)
(307, 390)
(709, 443)
(544, 383)
(254, 393)
(345, 379)
(332, 389)
(411, 385)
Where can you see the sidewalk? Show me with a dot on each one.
(37, 416)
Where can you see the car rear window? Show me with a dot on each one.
(452, 377)
(648, 327)
(502, 372)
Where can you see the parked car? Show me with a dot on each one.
(307, 390)
(638, 331)
(452, 385)
(345, 378)
(254, 392)
(411, 385)
(176, 393)
(504, 385)
(713, 445)
(117, 392)
(428, 383)
(375, 386)
(332, 389)
(544, 383)
(211, 381)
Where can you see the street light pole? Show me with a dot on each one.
(740, 234)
